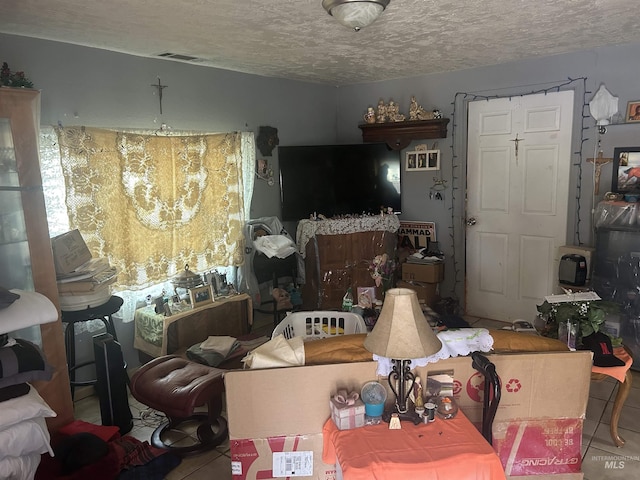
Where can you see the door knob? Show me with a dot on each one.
(471, 221)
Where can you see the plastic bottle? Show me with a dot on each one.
(347, 301)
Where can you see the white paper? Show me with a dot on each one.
(293, 464)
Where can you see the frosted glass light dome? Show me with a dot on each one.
(355, 14)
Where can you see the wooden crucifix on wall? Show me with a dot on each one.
(599, 161)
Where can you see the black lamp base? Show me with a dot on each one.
(407, 416)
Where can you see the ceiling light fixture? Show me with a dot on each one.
(355, 14)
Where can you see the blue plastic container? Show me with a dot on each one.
(373, 409)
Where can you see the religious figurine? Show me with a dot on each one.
(416, 112)
(393, 112)
(419, 399)
(381, 114)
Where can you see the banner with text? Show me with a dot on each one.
(416, 235)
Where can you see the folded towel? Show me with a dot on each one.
(275, 245)
(222, 344)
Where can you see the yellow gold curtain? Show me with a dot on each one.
(152, 204)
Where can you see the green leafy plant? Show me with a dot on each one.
(588, 316)
(13, 79)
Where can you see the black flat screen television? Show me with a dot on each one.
(338, 180)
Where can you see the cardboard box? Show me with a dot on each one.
(427, 273)
(427, 292)
(550, 386)
(548, 446)
(347, 417)
(69, 252)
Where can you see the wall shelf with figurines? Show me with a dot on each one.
(388, 125)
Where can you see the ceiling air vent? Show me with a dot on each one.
(178, 56)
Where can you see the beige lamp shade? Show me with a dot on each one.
(402, 331)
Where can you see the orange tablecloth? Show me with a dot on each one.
(452, 449)
(619, 373)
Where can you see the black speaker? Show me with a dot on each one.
(111, 383)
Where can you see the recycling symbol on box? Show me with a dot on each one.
(513, 385)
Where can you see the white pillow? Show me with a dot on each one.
(22, 408)
(24, 438)
(20, 468)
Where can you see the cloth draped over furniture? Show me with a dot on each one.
(153, 204)
(350, 348)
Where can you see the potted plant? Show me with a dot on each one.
(586, 316)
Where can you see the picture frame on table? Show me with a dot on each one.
(200, 296)
(633, 111)
(422, 160)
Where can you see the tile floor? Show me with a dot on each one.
(601, 459)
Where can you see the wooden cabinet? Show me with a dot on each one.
(398, 135)
(26, 260)
(334, 263)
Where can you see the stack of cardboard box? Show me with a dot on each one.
(423, 278)
(83, 282)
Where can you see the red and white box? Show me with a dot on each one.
(346, 416)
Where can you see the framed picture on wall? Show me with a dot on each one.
(626, 170)
(633, 111)
(422, 160)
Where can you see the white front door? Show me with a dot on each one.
(518, 166)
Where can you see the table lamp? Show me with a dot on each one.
(401, 334)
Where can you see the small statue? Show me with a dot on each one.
(416, 112)
(393, 112)
(419, 400)
(381, 114)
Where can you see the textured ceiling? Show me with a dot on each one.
(297, 39)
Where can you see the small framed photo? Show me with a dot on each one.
(201, 295)
(633, 111)
(422, 160)
(366, 297)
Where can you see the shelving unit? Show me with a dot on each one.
(399, 135)
(25, 247)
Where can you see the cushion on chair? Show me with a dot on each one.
(175, 386)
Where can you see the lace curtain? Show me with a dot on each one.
(151, 204)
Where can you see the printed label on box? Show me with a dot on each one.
(292, 464)
(284, 456)
(539, 447)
